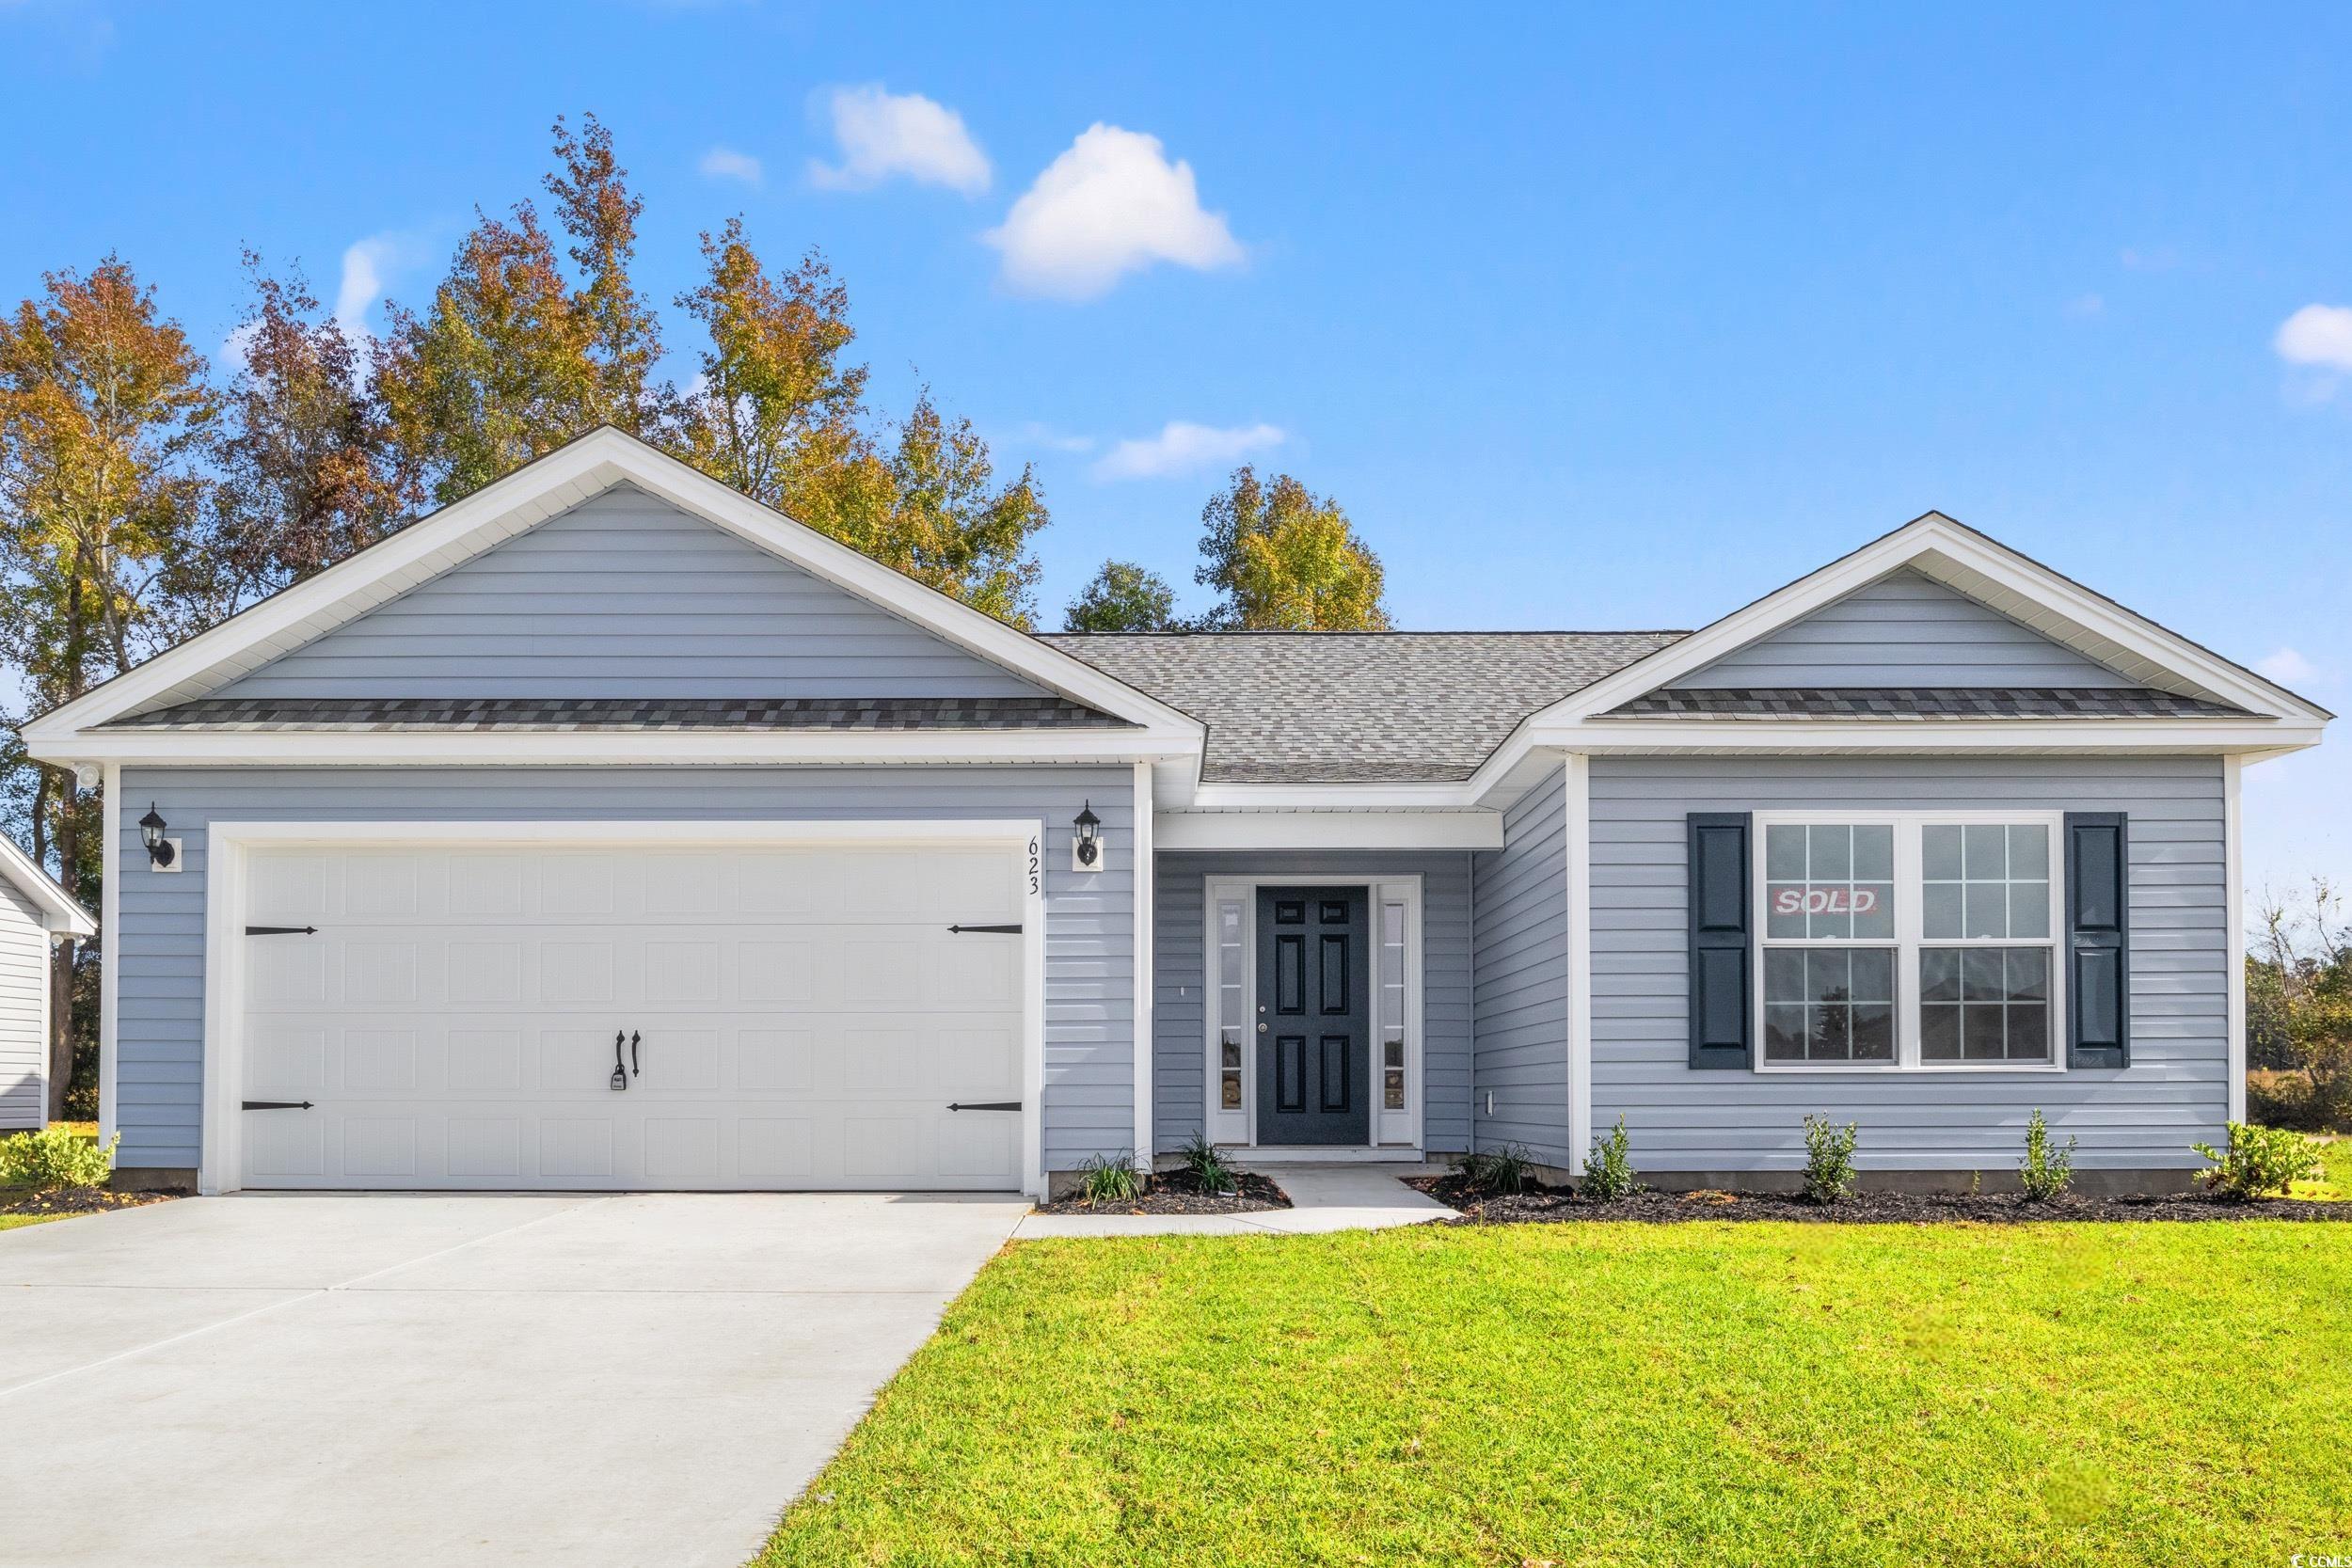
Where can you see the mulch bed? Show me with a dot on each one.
(1557, 1205)
(1175, 1192)
(78, 1200)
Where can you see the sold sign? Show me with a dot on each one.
(1825, 900)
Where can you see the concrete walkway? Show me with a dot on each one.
(409, 1379)
(1323, 1197)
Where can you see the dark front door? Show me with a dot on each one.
(1313, 1002)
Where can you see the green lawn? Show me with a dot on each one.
(1676, 1394)
(2335, 1182)
(18, 1221)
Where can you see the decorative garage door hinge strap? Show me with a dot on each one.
(984, 1105)
(276, 1105)
(281, 931)
(1012, 930)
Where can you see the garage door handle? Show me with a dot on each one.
(277, 1104)
(634, 1070)
(281, 931)
(986, 930)
(985, 1105)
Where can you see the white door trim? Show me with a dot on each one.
(228, 847)
(1402, 886)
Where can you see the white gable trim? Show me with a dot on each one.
(574, 473)
(62, 916)
(1985, 570)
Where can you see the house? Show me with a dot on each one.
(35, 914)
(606, 829)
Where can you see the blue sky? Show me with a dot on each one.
(1589, 320)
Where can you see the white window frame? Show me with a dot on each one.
(1396, 1130)
(1910, 905)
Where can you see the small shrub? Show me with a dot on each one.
(1101, 1180)
(55, 1157)
(2258, 1161)
(2048, 1170)
(1207, 1165)
(1609, 1167)
(1497, 1170)
(1829, 1173)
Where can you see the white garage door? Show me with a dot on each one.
(787, 1018)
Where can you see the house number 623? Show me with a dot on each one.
(1033, 866)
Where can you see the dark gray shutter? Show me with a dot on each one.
(1721, 970)
(2098, 949)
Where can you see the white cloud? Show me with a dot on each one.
(2317, 334)
(2287, 667)
(881, 134)
(1037, 434)
(725, 163)
(368, 270)
(1111, 205)
(2086, 307)
(1182, 447)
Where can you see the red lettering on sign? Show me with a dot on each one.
(1826, 900)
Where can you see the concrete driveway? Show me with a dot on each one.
(426, 1379)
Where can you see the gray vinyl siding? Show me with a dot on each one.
(2143, 1117)
(1904, 629)
(23, 1016)
(1521, 936)
(1090, 917)
(1179, 1047)
(624, 596)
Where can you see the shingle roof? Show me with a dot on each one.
(1298, 707)
(1924, 704)
(664, 713)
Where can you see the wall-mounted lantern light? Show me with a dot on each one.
(161, 851)
(1088, 845)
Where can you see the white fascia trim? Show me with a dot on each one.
(574, 473)
(2215, 736)
(2256, 739)
(617, 748)
(61, 913)
(1933, 541)
(1329, 830)
(1438, 795)
(230, 844)
(2233, 904)
(1578, 835)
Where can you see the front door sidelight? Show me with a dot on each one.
(1313, 1004)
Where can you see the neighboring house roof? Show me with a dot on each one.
(1923, 702)
(60, 912)
(665, 713)
(1399, 706)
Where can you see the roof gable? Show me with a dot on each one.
(587, 467)
(1903, 629)
(627, 595)
(2129, 649)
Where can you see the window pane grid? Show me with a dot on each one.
(1855, 914)
(1984, 881)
